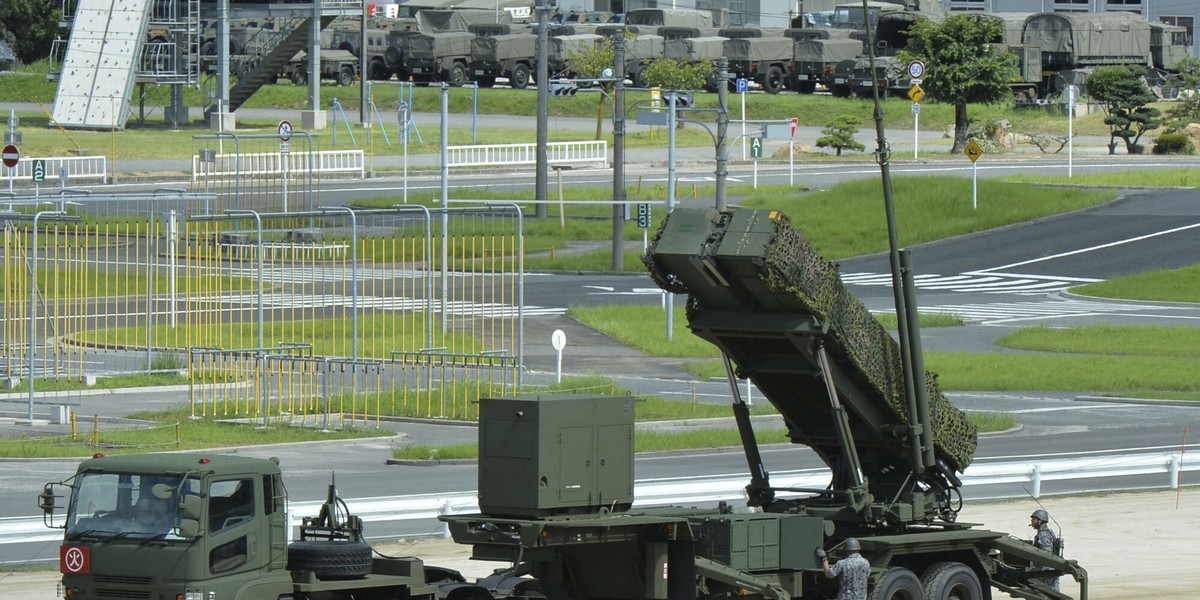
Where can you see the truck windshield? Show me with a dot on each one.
(138, 506)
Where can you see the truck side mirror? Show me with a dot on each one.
(189, 507)
(46, 500)
(189, 528)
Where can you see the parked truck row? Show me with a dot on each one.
(556, 476)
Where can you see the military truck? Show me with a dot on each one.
(204, 526)
(852, 77)
(758, 55)
(555, 473)
(440, 49)
(701, 50)
(377, 45)
(642, 48)
(511, 55)
(814, 57)
(338, 65)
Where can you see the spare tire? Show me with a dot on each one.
(331, 560)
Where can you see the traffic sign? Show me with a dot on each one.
(916, 69)
(915, 93)
(39, 170)
(285, 131)
(11, 156)
(916, 108)
(558, 340)
(756, 147)
(973, 150)
(742, 85)
(644, 216)
(793, 122)
(285, 147)
(404, 115)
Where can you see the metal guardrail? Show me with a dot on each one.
(272, 163)
(77, 167)
(490, 155)
(701, 490)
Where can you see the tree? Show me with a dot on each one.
(962, 64)
(839, 133)
(590, 63)
(1126, 98)
(32, 24)
(675, 74)
(1186, 109)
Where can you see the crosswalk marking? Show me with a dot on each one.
(1006, 312)
(979, 282)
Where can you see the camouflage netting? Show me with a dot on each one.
(790, 266)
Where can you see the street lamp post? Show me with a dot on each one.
(618, 256)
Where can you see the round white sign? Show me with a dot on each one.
(558, 339)
(916, 69)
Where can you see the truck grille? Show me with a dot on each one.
(123, 586)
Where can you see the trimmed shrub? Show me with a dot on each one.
(1173, 143)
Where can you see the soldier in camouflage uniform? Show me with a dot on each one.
(1044, 539)
(852, 572)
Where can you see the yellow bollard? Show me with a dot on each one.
(95, 431)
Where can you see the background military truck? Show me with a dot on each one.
(511, 55)
(759, 55)
(555, 473)
(377, 45)
(200, 526)
(814, 60)
(642, 48)
(703, 50)
(338, 65)
(440, 49)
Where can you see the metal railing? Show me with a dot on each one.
(272, 163)
(77, 167)
(526, 154)
(691, 490)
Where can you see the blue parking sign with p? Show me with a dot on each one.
(742, 85)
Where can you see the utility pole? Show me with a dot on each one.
(618, 240)
(722, 129)
(541, 190)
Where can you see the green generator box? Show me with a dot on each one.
(759, 541)
(552, 455)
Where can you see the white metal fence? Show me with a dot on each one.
(76, 167)
(274, 163)
(708, 489)
(588, 152)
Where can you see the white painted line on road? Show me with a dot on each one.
(1131, 240)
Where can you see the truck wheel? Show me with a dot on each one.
(773, 82)
(840, 91)
(897, 583)
(299, 76)
(638, 76)
(519, 79)
(806, 87)
(951, 581)
(330, 560)
(486, 81)
(346, 76)
(379, 71)
(457, 75)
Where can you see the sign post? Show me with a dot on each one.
(12, 156)
(756, 152)
(285, 134)
(404, 115)
(558, 340)
(1071, 93)
(973, 152)
(915, 93)
(743, 86)
(792, 151)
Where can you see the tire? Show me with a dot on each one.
(457, 75)
(638, 76)
(840, 91)
(330, 560)
(897, 583)
(378, 71)
(806, 87)
(345, 76)
(951, 581)
(773, 81)
(486, 81)
(299, 76)
(520, 77)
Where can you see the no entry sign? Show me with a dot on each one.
(11, 156)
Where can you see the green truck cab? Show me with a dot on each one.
(211, 527)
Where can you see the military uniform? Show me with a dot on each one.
(1044, 539)
(852, 573)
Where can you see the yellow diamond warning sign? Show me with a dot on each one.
(915, 93)
(973, 150)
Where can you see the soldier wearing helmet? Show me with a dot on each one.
(1044, 539)
(852, 572)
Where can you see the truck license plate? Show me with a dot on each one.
(839, 80)
(479, 71)
(802, 78)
